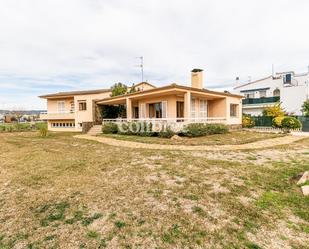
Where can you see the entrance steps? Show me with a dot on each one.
(96, 129)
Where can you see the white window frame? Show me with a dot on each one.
(193, 108)
(61, 106)
(203, 110)
(164, 109)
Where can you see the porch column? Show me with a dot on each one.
(187, 105)
(129, 108)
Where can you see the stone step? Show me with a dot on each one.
(95, 130)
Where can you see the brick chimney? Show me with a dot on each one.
(197, 78)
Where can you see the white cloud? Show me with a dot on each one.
(53, 45)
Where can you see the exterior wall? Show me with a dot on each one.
(52, 104)
(87, 115)
(217, 108)
(292, 98)
(233, 120)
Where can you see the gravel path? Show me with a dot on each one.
(255, 145)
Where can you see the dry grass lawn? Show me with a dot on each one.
(63, 192)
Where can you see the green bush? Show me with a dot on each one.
(2, 128)
(39, 125)
(199, 129)
(289, 123)
(167, 133)
(109, 128)
(43, 131)
(247, 122)
(277, 121)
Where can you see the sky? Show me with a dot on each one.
(49, 46)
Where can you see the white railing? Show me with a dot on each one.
(64, 112)
(57, 115)
(169, 120)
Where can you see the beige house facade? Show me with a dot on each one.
(169, 104)
(67, 111)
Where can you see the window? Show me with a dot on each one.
(72, 109)
(135, 112)
(276, 92)
(164, 109)
(263, 94)
(155, 110)
(249, 95)
(193, 112)
(233, 110)
(61, 106)
(82, 105)
(203, 108)
(287, 79)
(63, 125)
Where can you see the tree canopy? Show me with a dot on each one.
(305, 108)
(119, 89)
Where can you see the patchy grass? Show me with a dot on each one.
(62, 192)
(234, 137)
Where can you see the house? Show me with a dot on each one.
(67, 111)
(288, 88)
(171, 103)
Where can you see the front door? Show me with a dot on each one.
(180, 109)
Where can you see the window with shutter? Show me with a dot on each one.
(203, 108)
(193, 112)
(164, 109)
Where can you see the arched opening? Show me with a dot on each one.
(276, 92)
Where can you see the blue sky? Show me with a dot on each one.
(54, 45)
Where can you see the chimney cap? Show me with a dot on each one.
(196, 70)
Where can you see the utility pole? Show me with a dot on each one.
(273, 70)
(142, 67)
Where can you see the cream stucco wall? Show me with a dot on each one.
(52, 104)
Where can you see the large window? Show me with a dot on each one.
(249, 95)
(233, 110)
(61, 106)
(203, 108)
(193, 111)
(155, 110)
(82, 105)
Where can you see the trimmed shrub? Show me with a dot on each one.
(277, 121)
(109, 128)
(167, 133)
(39, 125)
(43, 131)
(289, 123)
(199, 129)
(247, 122)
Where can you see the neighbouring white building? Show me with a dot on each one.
(287, 88)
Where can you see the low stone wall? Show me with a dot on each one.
(86, 126)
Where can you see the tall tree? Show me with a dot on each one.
(305, 108)
(119, 89)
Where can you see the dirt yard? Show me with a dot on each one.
(64, 192)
